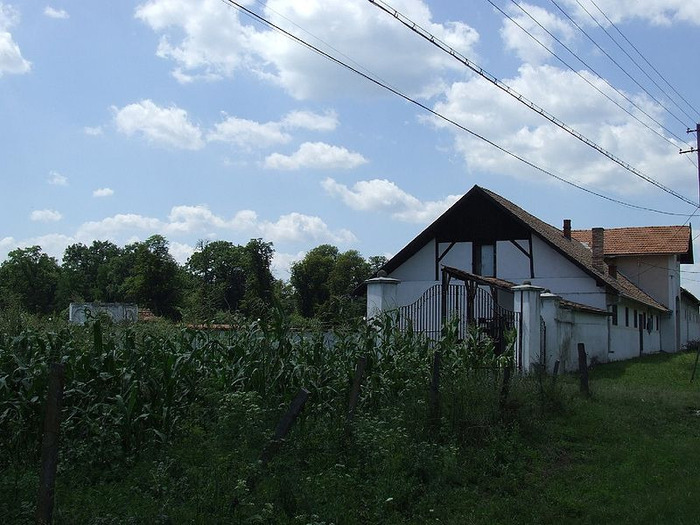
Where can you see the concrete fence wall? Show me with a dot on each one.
(78, 313)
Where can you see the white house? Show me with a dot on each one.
(489, 262)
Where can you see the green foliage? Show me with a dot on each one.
(91, 273)
(324, 281)
(29, 278)
(154, 278)
(163, 424)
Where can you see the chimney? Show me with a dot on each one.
(567, 229)
(597, 245)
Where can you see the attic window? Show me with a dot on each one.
(484, 260)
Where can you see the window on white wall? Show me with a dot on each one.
(484, 260)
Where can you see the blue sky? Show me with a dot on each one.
(186, 118)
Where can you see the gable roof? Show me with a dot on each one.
(646, 240)
(463, 222)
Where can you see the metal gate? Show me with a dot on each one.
(468, 305)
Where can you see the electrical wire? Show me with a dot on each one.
(610, 57)
(631, 58)
(645, 59)
(582, 77)
(522, 99)
(435, 113)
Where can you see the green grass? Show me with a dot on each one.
(628, 454)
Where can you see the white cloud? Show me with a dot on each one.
(56, 13)
(297, 227)
(282, 264)
(657, 12)
(11, 59)
(316, 155)
(56, 179)
(119, 226)
(103, 192)
(187, 220)
(524, 46)
(207, 39)
(161, 126)
(500, 118)
(180, 251)
(45, 216)
(93, 131)
(248, 133)
(381, 195)
(214, 42)
(311, 121)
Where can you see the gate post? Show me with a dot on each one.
(550, 315)
(381, 295)
(528, 306)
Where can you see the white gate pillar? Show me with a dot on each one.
(528, 306)
(550, 314)
(381, 295)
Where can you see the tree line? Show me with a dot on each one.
(218, 279)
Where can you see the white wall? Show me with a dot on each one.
(79, 313)
(563, 277)
(652, 273)
(690, 322)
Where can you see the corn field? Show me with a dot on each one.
(135, 388)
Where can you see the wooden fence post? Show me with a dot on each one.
(355, 391)
(583, 369)
(505, 387)
(49, 444)
(555, 372)
(285, 424)
(435, 390)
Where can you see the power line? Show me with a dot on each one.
(632, 59)
(684, 124)
(522, 99)
(582, 77)
(645, 59)
(437, 114)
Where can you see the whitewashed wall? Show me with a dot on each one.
(690, 322)
(78, 313)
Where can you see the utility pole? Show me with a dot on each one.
(695, 150)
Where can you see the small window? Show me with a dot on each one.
(484, 260)
(635, 319)
(657, 323)
(627, 316)
(614, 314)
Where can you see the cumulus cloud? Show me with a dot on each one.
(93, 131)
(163, 126)
(250, 134)
(187, 220)
(310, 120)
(316, 155)
(297, 227)
(500, 118)
(45, 216)
(282, 264)
(516, 39)
(11, 59)
(56, 179)
(384, 196)
(56, 13)
(103, 192)
(207, 39)
(663, 12)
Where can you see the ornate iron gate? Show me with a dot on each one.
(468, 305)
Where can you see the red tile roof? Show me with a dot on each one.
(646, 240)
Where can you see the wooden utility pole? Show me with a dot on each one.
(695, 150)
